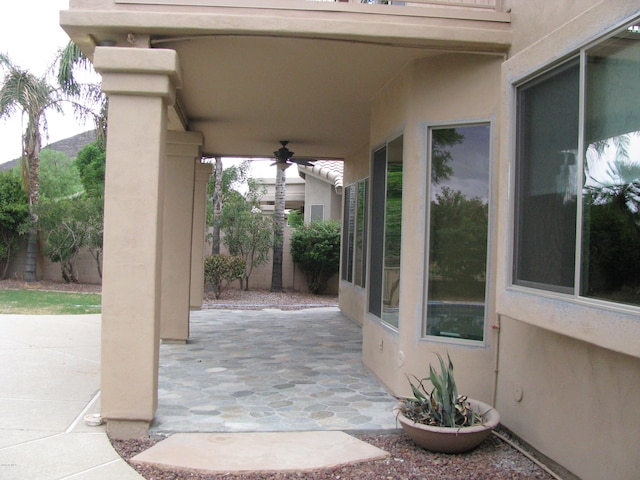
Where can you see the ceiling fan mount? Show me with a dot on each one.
(284, 157)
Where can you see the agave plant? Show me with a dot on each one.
(442, 406)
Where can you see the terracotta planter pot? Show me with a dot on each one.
(450, 440)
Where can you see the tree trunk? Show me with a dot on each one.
(278, 231)
(31, 174)
(217, 207)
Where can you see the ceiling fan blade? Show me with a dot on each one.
(302, 161)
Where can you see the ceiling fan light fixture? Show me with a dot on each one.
(283, 154)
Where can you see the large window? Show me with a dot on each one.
(577, 212)
(458, 227)
(386, 223)
(354, 232)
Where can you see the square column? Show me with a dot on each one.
(141, 85)
(183, 149)
(202, 174)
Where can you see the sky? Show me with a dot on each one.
(31, 36)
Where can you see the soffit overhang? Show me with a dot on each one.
(254, 76)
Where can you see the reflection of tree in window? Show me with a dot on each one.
(459, 238)
(611, 234)
(393, 215)
(458, 229)
(441, 139)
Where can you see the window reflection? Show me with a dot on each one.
(386, 225)
(459, 215)
(611, 190)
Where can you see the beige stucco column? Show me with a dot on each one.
(183, 149)
(202, 175)
(140, 84)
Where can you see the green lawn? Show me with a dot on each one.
(35, 302)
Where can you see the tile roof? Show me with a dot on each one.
(329, 170)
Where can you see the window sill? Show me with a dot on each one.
(606, 325)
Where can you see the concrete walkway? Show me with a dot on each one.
(49, 380)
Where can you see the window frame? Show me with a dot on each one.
(488, 300)
(375, 275)
(536, 290)
(350, 236)
(614, 327)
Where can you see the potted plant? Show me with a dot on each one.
(440, 420)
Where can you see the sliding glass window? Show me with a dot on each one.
(577, 210)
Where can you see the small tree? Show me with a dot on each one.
(91, 165)
(247, 231)
(315, 248)
(58, 176)
(222, 268)
(223, 184)
(90, 211)
(64, 234)
(14, 212)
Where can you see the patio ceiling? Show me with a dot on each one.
(247, 93)
(304, 72)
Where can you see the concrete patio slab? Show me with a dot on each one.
(50, 371)
(258, 452)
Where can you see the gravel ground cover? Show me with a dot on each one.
(493, 460)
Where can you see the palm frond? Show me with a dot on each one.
(69, 60)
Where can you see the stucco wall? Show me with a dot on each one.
(441, 89)
(576, 362)
(319, 192)
(86, 268)
(531, 21)
(577, 400)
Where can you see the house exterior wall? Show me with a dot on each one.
(352, 298)
(443, 89)
(318, 192)
(561, 354)
(552, 353)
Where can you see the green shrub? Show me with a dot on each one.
(14, 212)
(316, 249)
(295, 219)
(222, 268)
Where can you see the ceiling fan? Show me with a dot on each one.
(284, 157)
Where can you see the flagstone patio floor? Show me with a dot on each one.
(269, 370)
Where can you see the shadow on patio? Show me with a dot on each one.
(269, 370)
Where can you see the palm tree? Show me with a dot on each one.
(87, 99)
(32, 97)
(278, 229)
(217, 206)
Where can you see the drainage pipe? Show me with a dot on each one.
(496, 362)
(528, 455)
